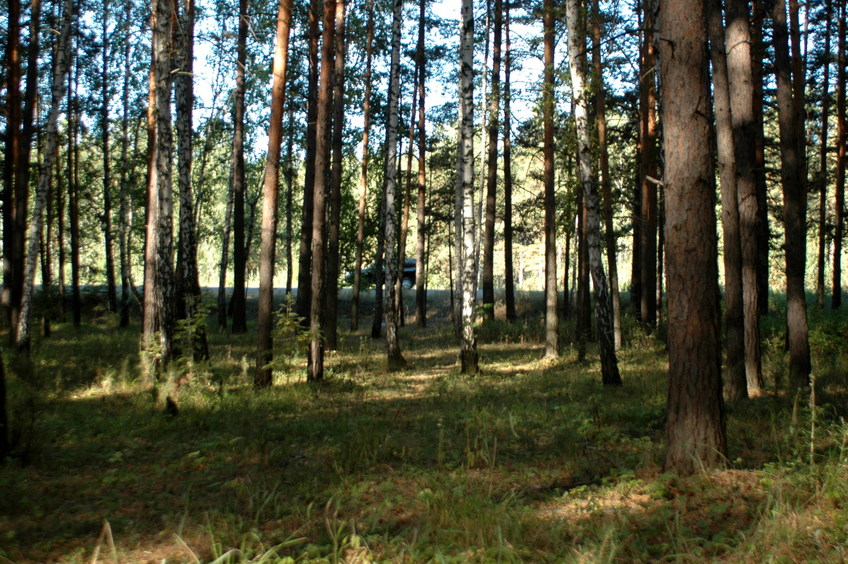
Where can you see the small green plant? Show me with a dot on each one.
(290, 338)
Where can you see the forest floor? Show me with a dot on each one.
(530, 461)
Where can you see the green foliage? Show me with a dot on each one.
(291, 338)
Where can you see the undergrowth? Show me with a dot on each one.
(531, 461)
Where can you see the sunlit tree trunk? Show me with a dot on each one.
(468, 335)
(696, 435)
(734, 371)
(492, 164)
(509, 274)
(420, 247)
(741, 88)
(238, 299)
(58, 87)
(263, 376)
(794, 204)
(363, 171)
(577, 65)
(551, 313)
(322, 155)
(394, 357)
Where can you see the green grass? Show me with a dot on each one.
(531, 460)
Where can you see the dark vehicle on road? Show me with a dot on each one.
(367, 278)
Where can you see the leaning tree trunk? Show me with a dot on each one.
(238, 299)
(551, 313)
(794, 205)
(363, 171)
(492, 165)
(268, 238)
(734, 371)
(60, 69)
(696, 430)
(576, 58)
(741, 79)
(394, 357)
(468, 335)
(322, 154)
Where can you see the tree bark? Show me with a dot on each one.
(734, 371)
(509, 275)
(821, 179)
(794, 204)
(335, 188)
(696, 435)
(73, 192)
(394, 356)
(741, 85)
(469, 360)
(363, 171)
(238, 299)
(492, 164)
(551, 313)
(839, 188)
(303, 300)
(648, 163)
(763, 230)
(606, 182)
(107, 171)
(421, 244)
(125, 202)
(60, 68)
(263, 376)
(577, 64)
(322, 154)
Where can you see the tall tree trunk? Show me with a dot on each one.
(225, 259)
(584, 315)
(162, 45)
(839, 188)
(58, 87)
(394, 357)
(363, 171)
(696, 428)
(125, 202)
(762, 225)
(468, 342)
(492, 172)
(648, 163)
(577, 65)
(420, 247)
(741, 87)
(13, 149)
(551, 313)
(794, 204)
(268, 238)
(289, 174)
(107, 171)
(238, 299)
(734, 372)
(821, 179)
(303, 301)
(73, 191)
(322, 155)
(509, 275)
(335, 188)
